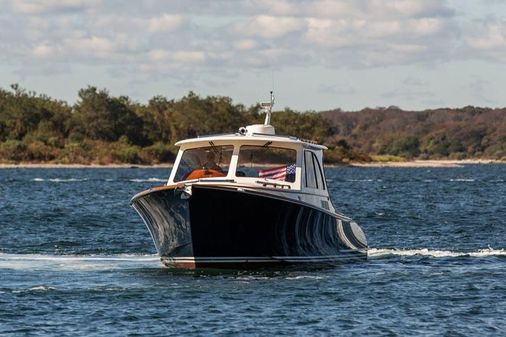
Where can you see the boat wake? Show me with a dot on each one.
(70, 180)
(135, 261)
(60, 180)
(382, 252)
(77, 262)
(148, 180)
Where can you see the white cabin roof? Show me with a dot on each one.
(249, 138)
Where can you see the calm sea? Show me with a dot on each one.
(75, 259)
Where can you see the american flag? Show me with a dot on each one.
(278, 173)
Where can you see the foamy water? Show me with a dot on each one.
(104, 262)
(379, 252)
(76, 262)
(65, 180)
(59, 180)
(148, 180)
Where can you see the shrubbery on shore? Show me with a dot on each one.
(103, 129)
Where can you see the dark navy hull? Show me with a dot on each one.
(226, 227)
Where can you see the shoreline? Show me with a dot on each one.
(407, 164)
(430, 163)
(75, 166)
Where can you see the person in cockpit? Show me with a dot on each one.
(210, 164)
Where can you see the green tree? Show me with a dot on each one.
(307, 125)
(26, 114)
(100, 116)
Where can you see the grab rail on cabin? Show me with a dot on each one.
(269, 183)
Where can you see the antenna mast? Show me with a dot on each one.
(267, 107)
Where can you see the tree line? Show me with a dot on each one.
(102, 129)
(462, 133)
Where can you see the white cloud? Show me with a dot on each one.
(334, 9)
(379, 9)
(164, 23)
(158, 55)
(409, 8)
(262, 31)
(383, 28)
(92, 44)
(328, 33)
(491, 36)
(178, 56)
(407, 48)
(426, 26)
(119, 22)
(43, 50)
(270, 27)
(34, 7)
(157, 38)
(188, 56)
(279, 7)
(245, 44)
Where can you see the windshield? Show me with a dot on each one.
(266, 162)
(204, 162)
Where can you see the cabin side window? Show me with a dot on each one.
(204, 162)
(320, 180)
(309, 169)
(266, 162)
(313, 171)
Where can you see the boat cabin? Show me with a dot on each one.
(254, 156)
(248, 198)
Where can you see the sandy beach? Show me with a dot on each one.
(429, 163)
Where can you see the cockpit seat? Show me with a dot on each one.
(204, 173)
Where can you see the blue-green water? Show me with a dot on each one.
(75, 259)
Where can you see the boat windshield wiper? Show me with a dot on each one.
(214, 148)
(217, 152)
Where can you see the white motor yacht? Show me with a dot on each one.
(246, 199)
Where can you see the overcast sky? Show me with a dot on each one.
(315, 54)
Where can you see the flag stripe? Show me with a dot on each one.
(272, 170)
(278, 173)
